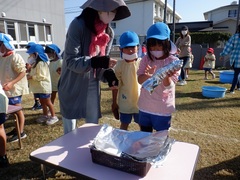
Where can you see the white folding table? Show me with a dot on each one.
(70, 153)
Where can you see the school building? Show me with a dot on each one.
(41, 21)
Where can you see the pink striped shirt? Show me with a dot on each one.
(162, 100)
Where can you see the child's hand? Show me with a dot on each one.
(170, 73)
(149, 71)
(7, 86)
(29, 77)
(28, 67)
(58, 70)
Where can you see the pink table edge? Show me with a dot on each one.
(71, 154)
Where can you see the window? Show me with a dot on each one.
(41, 32)
(11, 29)
(31, 32)
(113, 25)
(2, 29)
(23, 31)
(48, 33)
(232, 13)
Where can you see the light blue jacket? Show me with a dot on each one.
(232, 48)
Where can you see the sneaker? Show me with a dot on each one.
(37, 106)
(11, 132)
(7, 116)
(52, 120)
(14, 138)
(205, 78)
(182, 83)
(214, 76)
(4, 161)
(42, 119)
(232, 92)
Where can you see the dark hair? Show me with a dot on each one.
(89, 15)
(49, 50)
(164, 43)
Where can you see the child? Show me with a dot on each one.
(209, 63)
(40, 83)
(3, 139)
(13, 79)
(155, 109)
(126, 73)
(37, 105)
(55, 66)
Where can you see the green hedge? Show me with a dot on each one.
(208, 37)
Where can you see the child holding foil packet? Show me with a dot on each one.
(156, 108)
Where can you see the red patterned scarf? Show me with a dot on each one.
(99, 40)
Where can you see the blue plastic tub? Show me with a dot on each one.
(226, 76)
(213, 91)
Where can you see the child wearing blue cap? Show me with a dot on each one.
(40, 83)
(13, 80)
(155, 109)
(126, 96)
(55, 66)
(30, 61)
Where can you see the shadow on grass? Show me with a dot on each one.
(195, 95)
(217, 83)
(205, 102)
(22, 170)
(31, 170)
(226, 170)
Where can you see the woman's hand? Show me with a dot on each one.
(112, 62)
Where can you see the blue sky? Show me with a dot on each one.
(189, 10)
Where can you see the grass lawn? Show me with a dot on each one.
(213, 124)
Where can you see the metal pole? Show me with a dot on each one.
(238, 15)
(173, 31)
(165, 11)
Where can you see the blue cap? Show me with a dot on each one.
(159, 31)
(128, 38)
(7, 41)
(54, 47)
(30, 44)
(37, 48)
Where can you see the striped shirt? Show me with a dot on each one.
(232, 48)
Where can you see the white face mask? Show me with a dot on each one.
(31, 60)
(106, 17)
(157, 54)
(184, 32)
(129, 57)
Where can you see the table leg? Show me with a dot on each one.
(18, 131)
(43, 168)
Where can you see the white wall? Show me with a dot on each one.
(140, 20)
(35, 10)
